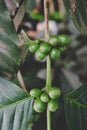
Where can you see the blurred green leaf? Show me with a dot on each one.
(26, 7)
(76, 108)
(66, 79)
(36, 16)
(40, 17)
(78, 11)
(30, 5)
(56, 16)
(9, 46)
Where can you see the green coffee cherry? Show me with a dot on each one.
(45, 47)
(33, 47)
(53, 41)
(35, 92)
(39, 55)
(39, 106)
(64, 39)
(52, 105)
(44, 97)
(55, 53)
(54, 92)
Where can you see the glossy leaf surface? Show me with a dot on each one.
(9, 46)
(15, 107)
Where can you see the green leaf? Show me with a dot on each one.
(36, 16)
(78, 11)
(15, 107)
(56, 16)
(12, 5)
(76, 108)
(30, 5)
(9, 46)
(26, 7)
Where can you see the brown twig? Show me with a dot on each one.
(21, 81)
(46, 20)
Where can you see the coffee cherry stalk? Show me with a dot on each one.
(47, 98)
(50, 48)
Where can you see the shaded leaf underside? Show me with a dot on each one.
(76, 108)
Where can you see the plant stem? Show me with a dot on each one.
(48, 78)
(30, 126)
(48, 85)
(48, 120)
(46, 20)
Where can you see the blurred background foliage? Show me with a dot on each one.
(69, 71)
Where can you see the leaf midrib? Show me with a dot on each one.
(12, 104)
(74, 101)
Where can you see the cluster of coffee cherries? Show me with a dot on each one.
(54, 47)
(44, 99)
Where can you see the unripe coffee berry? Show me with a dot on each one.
(39, 55)
(64, 39)
(39, 106)
(45, 47)
(52, 105)
(35, 92)
(33, 47)
(54, 92)
(44, 97)
(53, 41)
(55, 53)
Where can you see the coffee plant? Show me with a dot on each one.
(42, 79)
